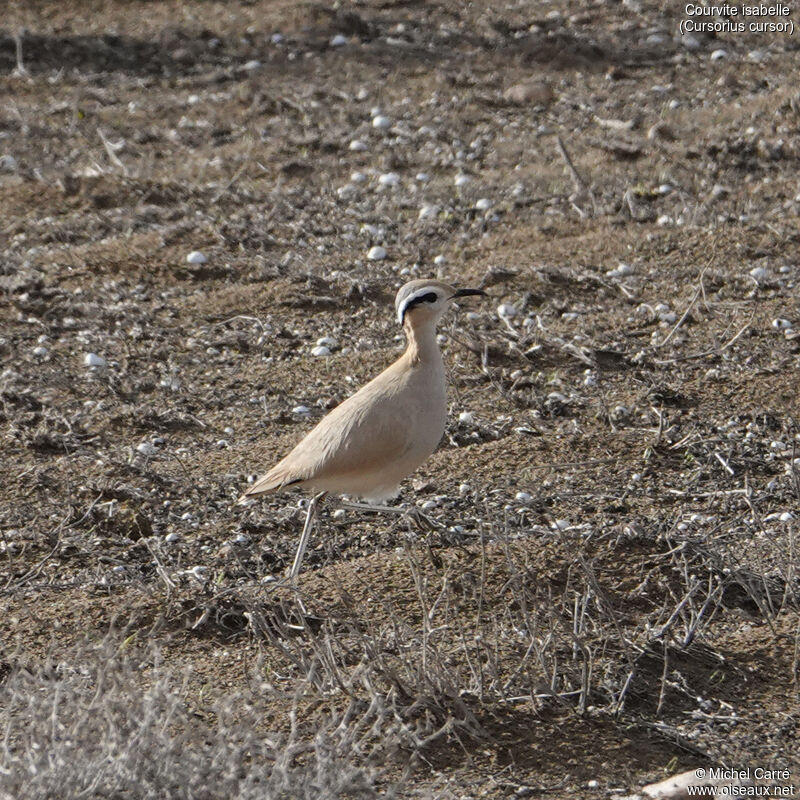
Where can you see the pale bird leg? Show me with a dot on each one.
(309, 523)
(413, 513)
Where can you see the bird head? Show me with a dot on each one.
(425, 299)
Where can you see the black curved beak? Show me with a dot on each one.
(468, 293)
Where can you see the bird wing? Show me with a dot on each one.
(368, 430)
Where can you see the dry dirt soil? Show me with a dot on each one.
(608, 590)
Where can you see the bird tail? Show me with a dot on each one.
(275, 480)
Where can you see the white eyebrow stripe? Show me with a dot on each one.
(410, 299)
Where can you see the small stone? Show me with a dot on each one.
(357, 146)
(690, 42)
(464, 489)
(253, 66)
(327, 341)
(779, 324)
(440, 260)
(8, 163)
(759, 273)
(389, 179)
(40, 352)
(196, 257)
(466, 418)
(429, 212)
(381, 122)
(422, 177)
(358, 177)
(320, 350)
(522, 497)
(376, 253)
(172, 538)
(94, 360)
(462, 180)
(536, 93)
(338, 41)
(339, 514)
(507, 311)
(484, 204)
(146, 449)
(719, 55)
(561, 524)
(302, 411)
(661, 131)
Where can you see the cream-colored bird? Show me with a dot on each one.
(382, 433)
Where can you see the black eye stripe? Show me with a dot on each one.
(429, 297)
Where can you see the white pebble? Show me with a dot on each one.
(146, 449)
(172, 538)
(340, 513)
(462, 180)
(787, 516)
(428, 505)
(198, 572)
(338, 40)
(357, 146)
(358, 177)
(780, 324)
(439, 260)
(94, 360)
(381, 122)
(484, 204)
(276, 38)
(320, 350)
(119, 568)
(759, 273)
(40, 352)
(522, 497)
(8, 163)
(464, 489)
(664, 188)
(376, 253)
(327, 341)
(389, 179)
(718, 55)
(507, 311)
(253, 66)
(779, 446)
(620, 271)
(196, 257)
(561, 524)
(466, 418)
(429, 212)
(241, 539)
(422, 177)
(301, 410)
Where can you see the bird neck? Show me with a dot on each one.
(422, 345)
